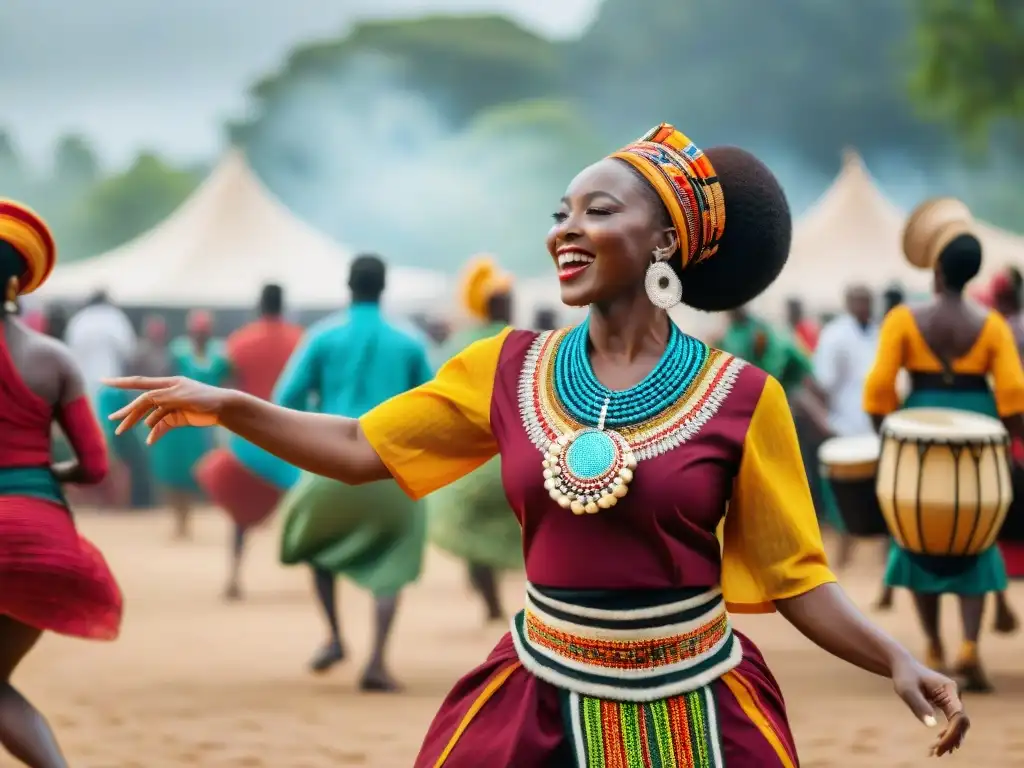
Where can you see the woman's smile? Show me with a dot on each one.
(573, 261)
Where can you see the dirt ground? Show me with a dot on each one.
(196, 682)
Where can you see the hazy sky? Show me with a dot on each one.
(166, 73)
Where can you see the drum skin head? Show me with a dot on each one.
(947, 425)
(932, 226)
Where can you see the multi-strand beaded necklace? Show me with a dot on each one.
(592, 437)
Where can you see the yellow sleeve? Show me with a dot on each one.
(880, 394)
(771, 543)
(1007, 372)
(431, 436)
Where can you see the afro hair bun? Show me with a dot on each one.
(756, 241)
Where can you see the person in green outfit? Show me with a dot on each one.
(962, 357)
(471, 518)
(374, 534)
(199, 356)
(784, 357)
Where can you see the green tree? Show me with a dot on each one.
(464, 63)
(75, 163)
(802, 75)
(14, 177)
(971, 64)
(127, 204)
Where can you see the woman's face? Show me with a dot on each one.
(606, 228)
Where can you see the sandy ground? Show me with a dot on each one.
(195, 682)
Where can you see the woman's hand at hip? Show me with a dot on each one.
(167, 403)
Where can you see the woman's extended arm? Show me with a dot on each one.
(423, 438)
(332, 446)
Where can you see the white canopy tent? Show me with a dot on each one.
(854, 234)
(222, 245)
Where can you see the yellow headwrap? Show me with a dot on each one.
(481, 280)
(25, 230)
(687, 184)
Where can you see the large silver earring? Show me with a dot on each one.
(11, 307)
(663, 286)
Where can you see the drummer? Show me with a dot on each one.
(842, 360)
(950, 347)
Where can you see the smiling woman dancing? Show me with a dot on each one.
(623, 441)
(51, 579)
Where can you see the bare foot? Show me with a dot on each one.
(332, 653)
(233, 593)
(884, 602)
(935, 658)
(972, 677)
(378, 681)
(1006, 620)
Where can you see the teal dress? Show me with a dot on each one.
(931, 574)
(175, 455)
(374, 534)
(471, 518)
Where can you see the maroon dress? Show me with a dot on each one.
(661, 538)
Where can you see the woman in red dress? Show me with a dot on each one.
(626, 446)
(51, 579)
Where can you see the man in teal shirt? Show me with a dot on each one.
(374, 534)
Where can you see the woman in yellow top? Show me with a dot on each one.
(951, 348)
(622, 441)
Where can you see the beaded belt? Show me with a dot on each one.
(648, 646)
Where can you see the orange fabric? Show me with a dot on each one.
(431, 436)
(259, 352)
(748, 700)
(901, 346)
(771, 543)
(480, 281)
(485, 695)
(30, 236)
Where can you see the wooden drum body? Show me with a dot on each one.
(849, 465)
(944, 480)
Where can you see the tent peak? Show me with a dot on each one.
(851, 160)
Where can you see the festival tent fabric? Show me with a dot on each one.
(853, 234)
(222, 245)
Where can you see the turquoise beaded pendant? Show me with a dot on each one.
(590, 469)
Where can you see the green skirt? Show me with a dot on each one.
(374, 534)
(472, 520)
(930, 574)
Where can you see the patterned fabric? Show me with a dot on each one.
(25, 230)
(680, 732)
(687, 184)
(611, 646)
(545, 419)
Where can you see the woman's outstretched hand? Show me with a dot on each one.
(924, 691)
(167, 403)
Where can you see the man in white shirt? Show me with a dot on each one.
(842, 361)
(102, 339)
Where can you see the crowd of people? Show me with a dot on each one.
(649, 483)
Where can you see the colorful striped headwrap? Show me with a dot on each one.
(687, 184)
(28, 234)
